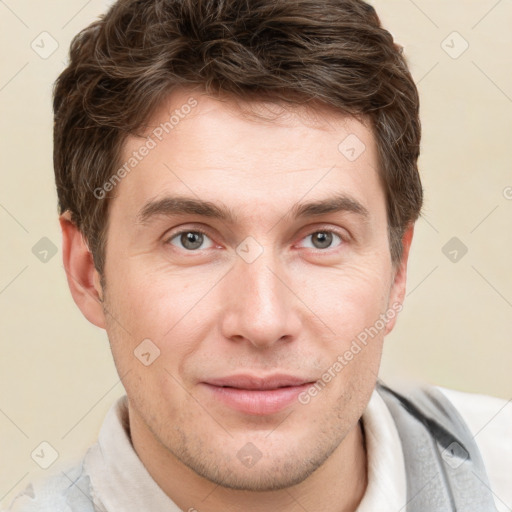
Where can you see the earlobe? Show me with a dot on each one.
(397, 293)
(83, 278)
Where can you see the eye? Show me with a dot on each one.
(190, 240)
(323, 239)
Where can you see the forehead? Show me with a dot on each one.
(247, 154)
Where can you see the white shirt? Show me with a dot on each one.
(121, 483)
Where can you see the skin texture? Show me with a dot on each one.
(293, 310)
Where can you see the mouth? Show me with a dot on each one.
(257, 395)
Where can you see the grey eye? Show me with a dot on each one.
(189, 240)
(322, 239)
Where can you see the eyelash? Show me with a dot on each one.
(342, 236)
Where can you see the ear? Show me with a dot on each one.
(83, 278)
(397, 293)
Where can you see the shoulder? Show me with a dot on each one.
(489, 420)
(65, 491)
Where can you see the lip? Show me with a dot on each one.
(255, 395)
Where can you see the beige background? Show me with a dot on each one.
(57, 374)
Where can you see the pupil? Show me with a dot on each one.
(324, 239)
(191, 240)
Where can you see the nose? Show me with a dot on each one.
(259, 305)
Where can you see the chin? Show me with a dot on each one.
(273, 468)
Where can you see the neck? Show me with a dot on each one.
(336, 486)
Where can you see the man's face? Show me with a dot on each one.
(260, 299)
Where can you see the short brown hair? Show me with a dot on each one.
(126, 63)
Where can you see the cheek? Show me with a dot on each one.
(154, 300)
(171, 308)
(349, 298)
(350, 302)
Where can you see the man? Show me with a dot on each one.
(238, 188)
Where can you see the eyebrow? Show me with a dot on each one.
(181, 205)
